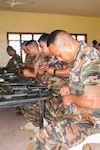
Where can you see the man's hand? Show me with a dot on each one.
(42, 69)
(66, 100)
(27, 73)
(64, 91)
(50, 70)
(23, 65)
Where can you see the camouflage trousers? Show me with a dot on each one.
(63, 133)
(53, 111)
(32, 113)
(69, 131)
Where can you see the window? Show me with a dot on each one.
(15, 40)
(80, 37)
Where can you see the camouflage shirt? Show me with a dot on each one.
(85, 70)
(53, 82)
(14, 64)
(29, 59)
(37, 61)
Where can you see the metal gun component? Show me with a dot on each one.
(15, 89)
(9, 96)
(23, 93)
(2, 90)
(36, 94)
(31, 83)
(22, 90)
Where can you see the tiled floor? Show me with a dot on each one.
(11, 137)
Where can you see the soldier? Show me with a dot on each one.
(28, 59)
(33, 49)
(14, 63)
(48, 66)
(56, 73)
(82, 94)
(31, 112)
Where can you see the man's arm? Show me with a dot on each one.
(90, 98)
(27, 73)
(59, 72)
(85, 101)
(63, 72)
(29, 66)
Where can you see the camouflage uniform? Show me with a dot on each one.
(31, 112)
(14, 64)
(54, 108)
(85, 70)
(29, 59)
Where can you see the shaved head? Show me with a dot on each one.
(60, 35)
(62, 44)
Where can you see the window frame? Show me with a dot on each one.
(80, 34)
(21, 40)
(35, 33)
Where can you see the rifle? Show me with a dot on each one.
(10, 76)
(23, 83)
(36, 94)
(23, 90)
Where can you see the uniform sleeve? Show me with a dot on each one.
(9, 63)
(90, 73)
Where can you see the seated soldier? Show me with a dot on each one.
(13, 64)
(82, 95)
(28, 59)
(54, 74)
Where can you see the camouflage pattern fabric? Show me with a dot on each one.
(54, 108)
(29, 59)
(31, 112)
(13, 64)
(85, 70)
(37, 61)
(82, 121)
(63, 133)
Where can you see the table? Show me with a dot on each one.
(7, 100)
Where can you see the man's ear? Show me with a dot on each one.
(68, 45)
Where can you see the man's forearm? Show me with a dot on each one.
(63, 72)
(30, 66)
(85, 101)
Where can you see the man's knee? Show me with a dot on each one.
(91, 146)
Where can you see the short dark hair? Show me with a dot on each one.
(23, 43)
(52, 37)
(54, 34)
(10, 48)
(44, 37)
(94, 42)
(31, 42)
